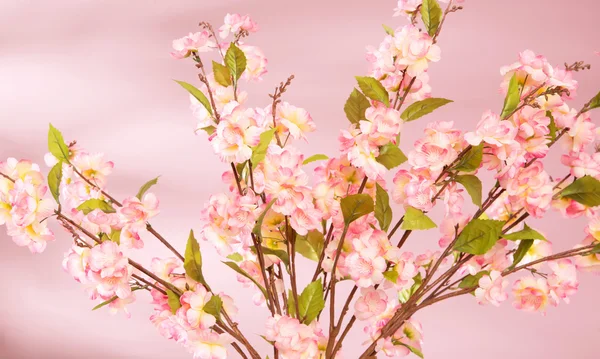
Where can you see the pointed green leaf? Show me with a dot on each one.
(279, 253)
(431, 14)
(585, 190)
(373, 89)
(291, 304)
(173, 300)
(422, 108)
(521, 251)
(479, 236)
(472, 280)
(388, 30)
(405, 295)
(473, 186)
(222, 74)
(237, 268)
(106, 302)
(115, 236)
(198, 95)
(391, 275)
(413, 350)
(235, 59)
(355, 106)
(311, 302)
(513, 97)
(54, 179)
(311, 245)
(383, 211)
(356, 206)
(214, 306)
(208, 129)
(594, 102)
(236, 257)
(56, 145)
(551, 126)
(525, 233)
(471, 160)
(146, 187)
(415, 219)
(314, 158)
(260, 151)
(391, 156)
(193, 260)
(257, 227)
(94, 203)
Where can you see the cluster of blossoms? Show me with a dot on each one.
(342, 219)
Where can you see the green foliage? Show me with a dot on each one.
(391, 156)
(193, 260)
(355, 106)
(471, 160)
(585, 190)
(383, 211)
(526, 233)
(431, 14)
(479, 236)
(373, 89)
(222, 74)
(239, 270)
(56, 144)
(94, 203)
(173, 300)
(198, 95)
(521, 251)
(235, 59)
(259, 221)
(260, 151)
(513, 97)
(472, 280)
(146, 187)
(311, 302)
(415, 219)
(473, 186)
(214, 306)
(313, 158)
(311, 245)
(356, 206)
(54, 178)
(422, 108)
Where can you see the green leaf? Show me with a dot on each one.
(415, 219)
(115, 236)
(193, 260)
(314, 158)
(388, 30)
(414, 350)
(391, 275)
(106, 302)
(260, 151)
(595, 250)
(391, 156)
(213, 306)
(54, 178)
(56, 145)
(422, 108)
(594, 102)
(473, 186)
(585, 190)
(291, 304)
(525, 233)
(551, 126)
(222, 74)
(259, 221)
(235, 59)
(404, 295)
(146, 187)
(356, 206)
(173, 300)
(311, 302)
(311, 245)
(471, 160)
(237, 268)
(373, 89)
(279, 253)
(355, 106)
(479, 236)
(521, 251)
(208, 129)
(513, 97)
(94, 203)
(472, 280)
(431, 14)
(198, 95)
(236, 257)
(383, 211)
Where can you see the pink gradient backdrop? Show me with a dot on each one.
(100, 71)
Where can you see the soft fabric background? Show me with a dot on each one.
(100, 71)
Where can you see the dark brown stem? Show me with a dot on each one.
(164, 241)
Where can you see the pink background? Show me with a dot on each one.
(100, 71)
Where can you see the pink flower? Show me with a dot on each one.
(530, 187)
(236, 22)
(163, 267)
(236, 133)
(371, 303)
(367, 264)
(120, 304)
(491, 289)
(589, 263)
(207, 344)
(582, 163)
(413, 190)
(109, 270)
(293, 339)
(305, 219)
(382, 126)
(582, 131)
(531, 295)
(192, 309)
(563, 280)
(93, 167)
(407, 7)
(194, 42)
(256, 63)
(75, 262)
(138, 212)
(414, 50)
(492, 131)
(295, 120)
(532, 71)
